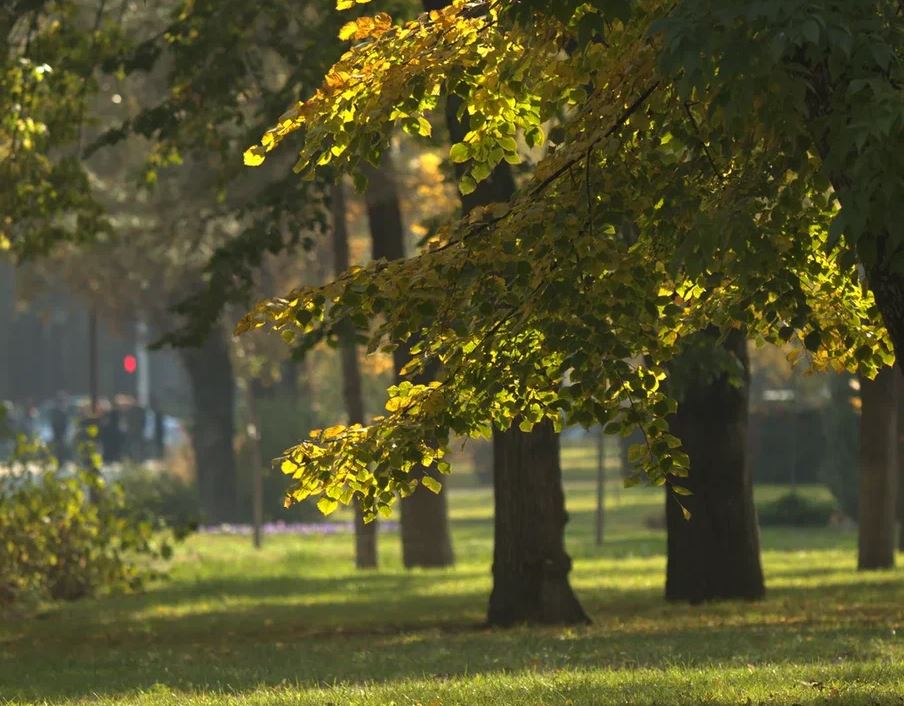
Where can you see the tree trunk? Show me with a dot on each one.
(426, 540)
(213, 394)
(365, 533)
(900, 459)
(530, 565)
(715, 554)
(878, 471)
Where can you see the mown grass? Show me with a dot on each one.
(295, 624)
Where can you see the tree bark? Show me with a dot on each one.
(715, 554)
(899, 450)
(213, 394)
(900, 460)
(530, 565)
(424, 517)
(365, 533)
(878, 471)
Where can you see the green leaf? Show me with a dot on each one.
(431, 484)
(327, 506)
(812, 341)
(460, 152)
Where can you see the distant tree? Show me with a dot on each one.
(352, 392)
(47, 53)
(841, 436)
(424, 514)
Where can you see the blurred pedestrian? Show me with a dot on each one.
(59, 427)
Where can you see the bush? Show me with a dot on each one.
(66, 534)
(282, 421)
(160, 497)
(841, 469)
(795, 510)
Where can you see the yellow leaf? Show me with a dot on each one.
(349, 4)
(254, 156)
(332, 432)
(327, 505)
(349, 29)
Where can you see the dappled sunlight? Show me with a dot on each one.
(296, 612)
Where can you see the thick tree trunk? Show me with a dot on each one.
(888, 289)
(213, 394)
(365, 533)
(530, 565)
(878, 471)
(900, 457)
(426, 540)
(715, 554)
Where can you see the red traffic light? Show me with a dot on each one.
(130, 364)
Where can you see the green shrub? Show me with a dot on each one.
(795, 510)
(841, 467)
(66, 534)
(160, 497)
(282, 420)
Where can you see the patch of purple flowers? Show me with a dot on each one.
(298, 528)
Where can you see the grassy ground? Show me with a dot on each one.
(294, 624)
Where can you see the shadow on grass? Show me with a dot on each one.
(379, 630)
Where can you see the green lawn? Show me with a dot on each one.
(294, 624)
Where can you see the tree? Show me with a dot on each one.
(878, 471)
(47, 51)
(900, 455)
(424, 515)
(684, 190)
(213, 393)
(365, 533)
(713, 539)
(530, 564)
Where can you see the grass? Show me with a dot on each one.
(295, 624)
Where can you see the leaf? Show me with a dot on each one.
(327, 506)
(467, 185)
(459, 153)
(425, 129)
(431, 484)
(812, 341)
(349, 4)
(680, 490)
(332, 432)
(348, 30)
(254, 156)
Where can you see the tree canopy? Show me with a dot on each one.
(698, 161)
